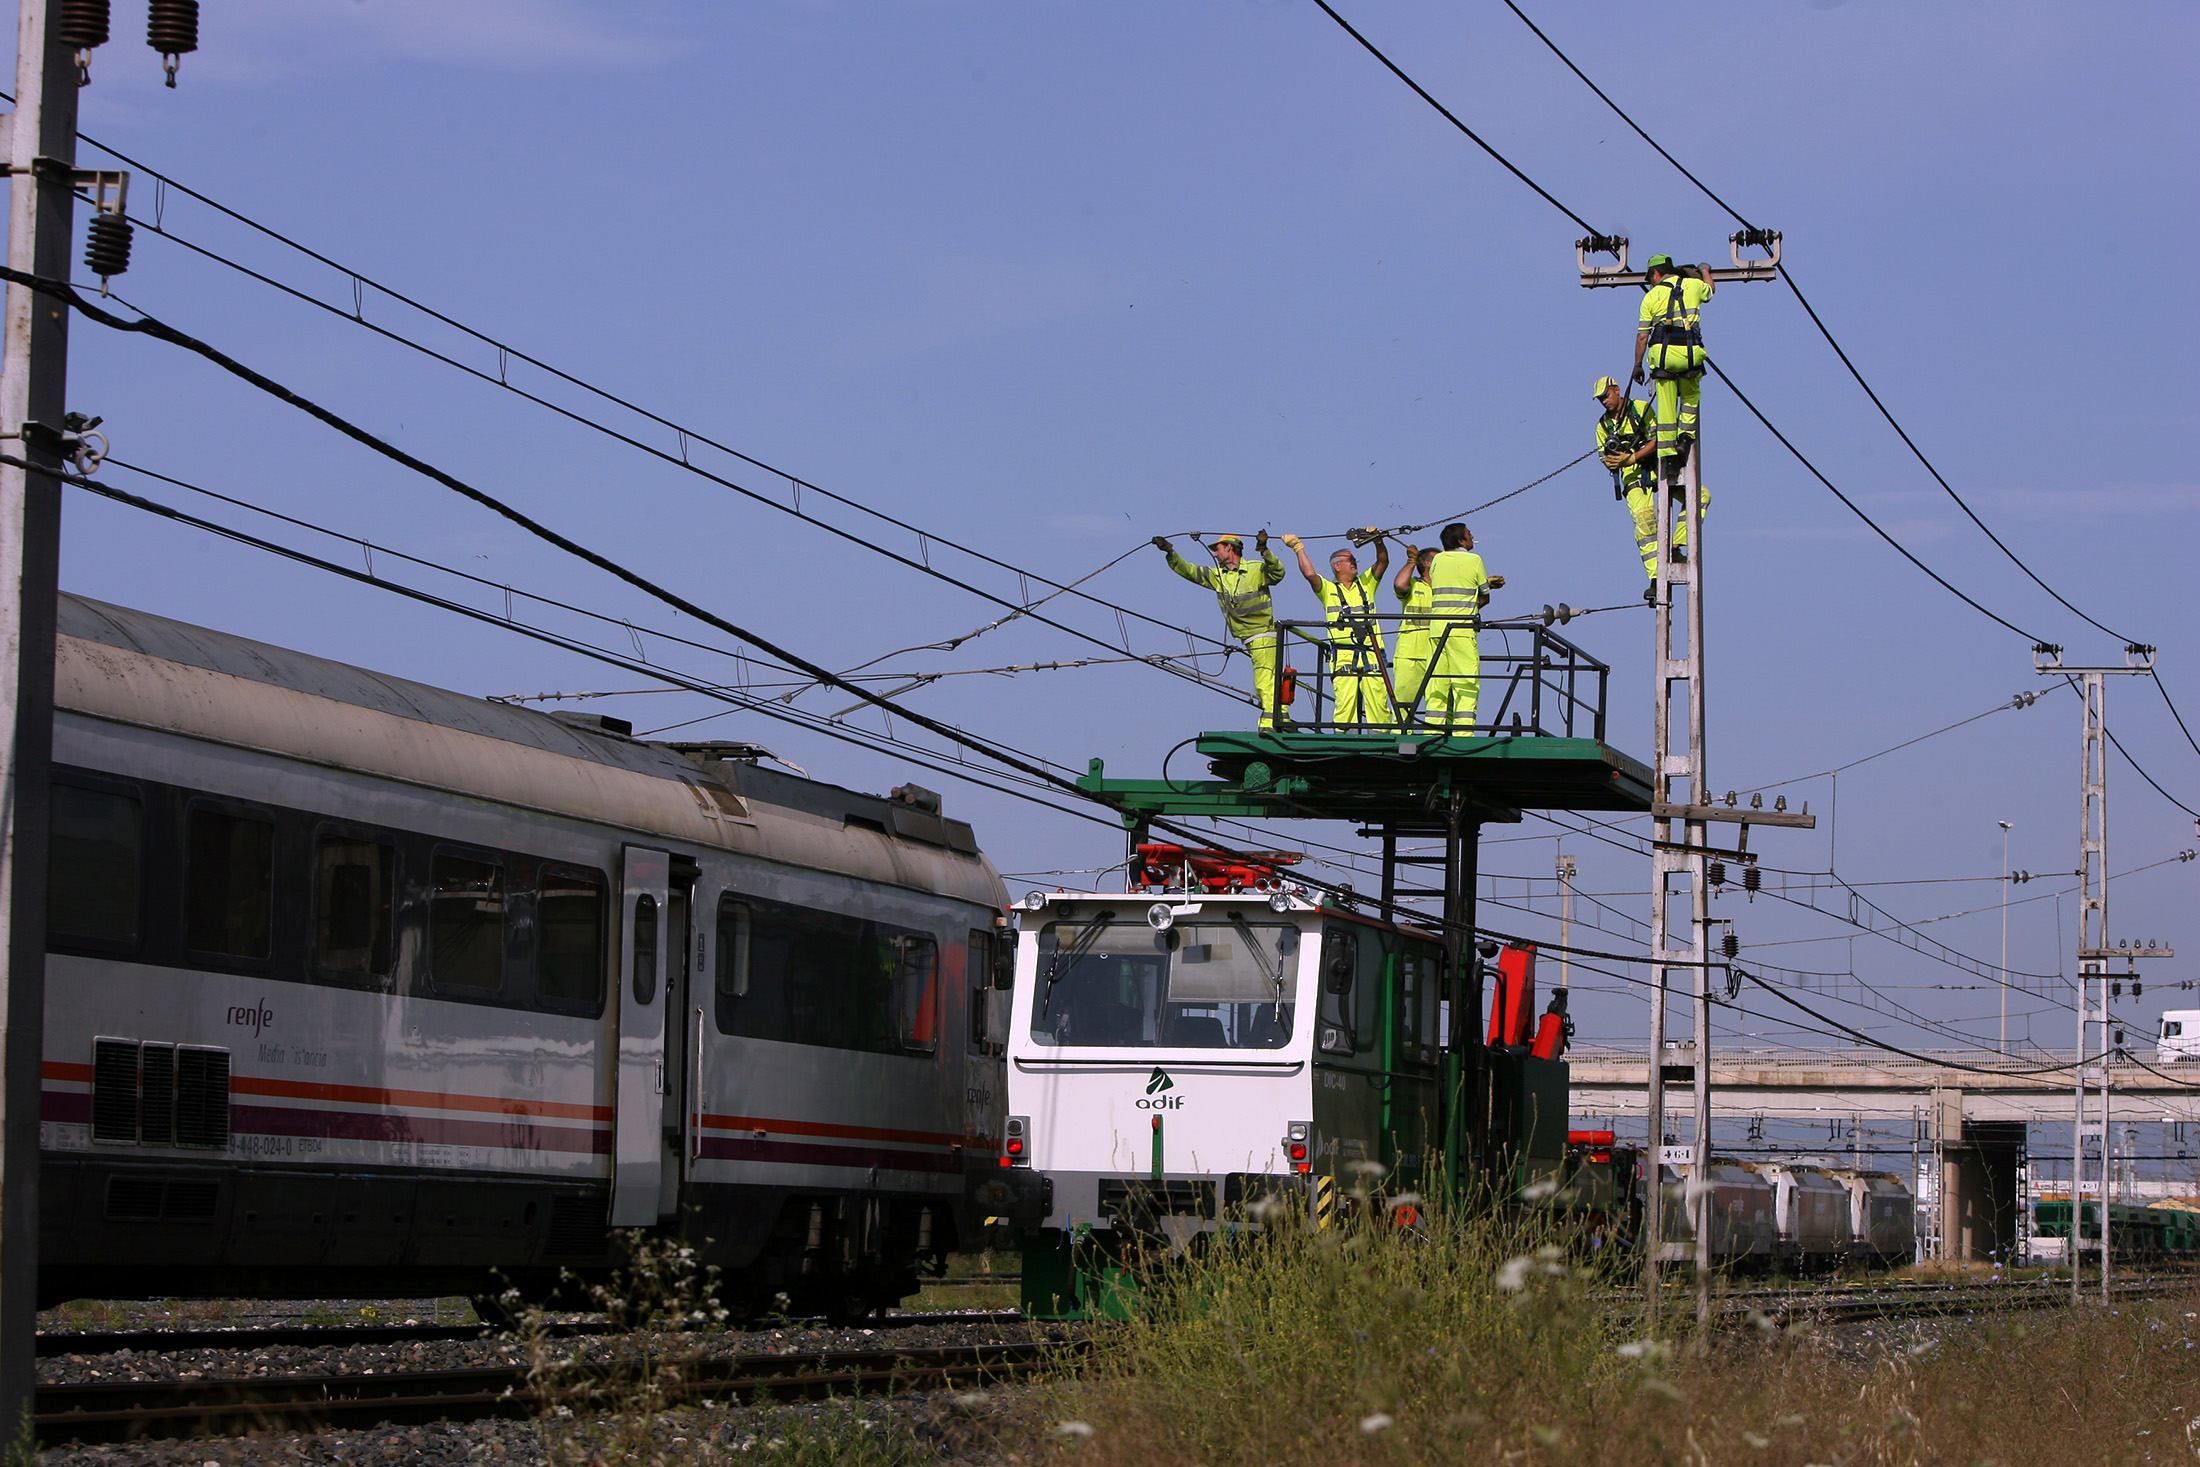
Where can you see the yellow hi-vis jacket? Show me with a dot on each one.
(1672, 312)
(1415, 640)
(1458, 585)
(1242, 592)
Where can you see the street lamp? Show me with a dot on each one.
(2004, 935)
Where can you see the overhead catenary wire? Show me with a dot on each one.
(925, 758)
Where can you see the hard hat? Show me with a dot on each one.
(1229, 539)
(1604, 385)
(1659, 262)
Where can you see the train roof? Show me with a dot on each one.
(133, 667)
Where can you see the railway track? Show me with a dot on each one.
(276, 1336)
(131, 1410)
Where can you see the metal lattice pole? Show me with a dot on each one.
(2094, 952)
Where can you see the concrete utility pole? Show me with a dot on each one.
(33, 371)
(1566, 874)
(1682, 808)
(2094, 953)
(2004, 1030)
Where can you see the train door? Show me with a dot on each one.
(638, 1152)
(682, 1054)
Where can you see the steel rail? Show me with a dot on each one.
(99, 1411)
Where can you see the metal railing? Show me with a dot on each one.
(1525, 681)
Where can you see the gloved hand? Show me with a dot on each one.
(1260, 541)
(1615, 459)
(1496, 582)
(1639, 378)
(1292, 542)
(1161, 542)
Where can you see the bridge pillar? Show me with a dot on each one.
(1978, 1163)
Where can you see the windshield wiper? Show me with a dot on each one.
(1252, 940)
(1065, 957)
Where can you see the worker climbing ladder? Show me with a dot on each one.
(1681, 807)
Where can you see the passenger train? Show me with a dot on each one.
(358, 985)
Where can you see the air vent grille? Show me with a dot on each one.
(202, 1097)
(114, 1090)
(157, 1095)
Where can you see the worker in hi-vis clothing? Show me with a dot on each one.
(1458, 586)
(1409, 663)
(1626, 440)
(1356, 695)
(1248, 612)
(1669, 337)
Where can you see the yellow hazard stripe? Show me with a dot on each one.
(1325, 1201)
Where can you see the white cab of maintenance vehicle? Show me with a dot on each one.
(2180, 1037)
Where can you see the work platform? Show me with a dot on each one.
(1385, 778)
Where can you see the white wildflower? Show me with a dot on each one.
(1073, 1430)
(1512, 1274)
(1373, 1169)
(1759, 1442)
(1380, 1421)
(1645, 1350)
(1537, 1191)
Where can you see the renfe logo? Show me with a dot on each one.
(1155, 1097)
(257, 1017)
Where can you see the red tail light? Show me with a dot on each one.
(1298, 1151)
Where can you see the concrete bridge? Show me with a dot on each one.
(1813, 1084)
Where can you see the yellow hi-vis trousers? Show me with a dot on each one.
(1677, 381)
(1642, 504)
(1356, 697)
(1407, 674)
(1262, 649)
(1454, 679)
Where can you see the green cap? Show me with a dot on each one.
(1659, 262)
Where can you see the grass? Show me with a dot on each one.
(1480, 1341)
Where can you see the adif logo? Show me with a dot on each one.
(1156, 1096)
(1159, 1082)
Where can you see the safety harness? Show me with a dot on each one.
(1677, 327)
(1352, 629)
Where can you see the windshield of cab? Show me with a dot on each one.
(1213, 983)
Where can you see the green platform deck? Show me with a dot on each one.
(1384, 778)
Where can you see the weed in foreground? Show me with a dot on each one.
(1478, 1340)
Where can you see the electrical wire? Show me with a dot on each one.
(923, 757)
(1471, 135)
(1823, 330)
(507, 353)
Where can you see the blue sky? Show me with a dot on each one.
(1048, 279)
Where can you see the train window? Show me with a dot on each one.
(229, 882)
(569, 923)
(1368, 991)
(354, 879)
(466, 909)
(645, 949)
(95, 866)
(916, 992)
(1340, 966)
(733, 949)
(827, 978)
(1219, 982)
